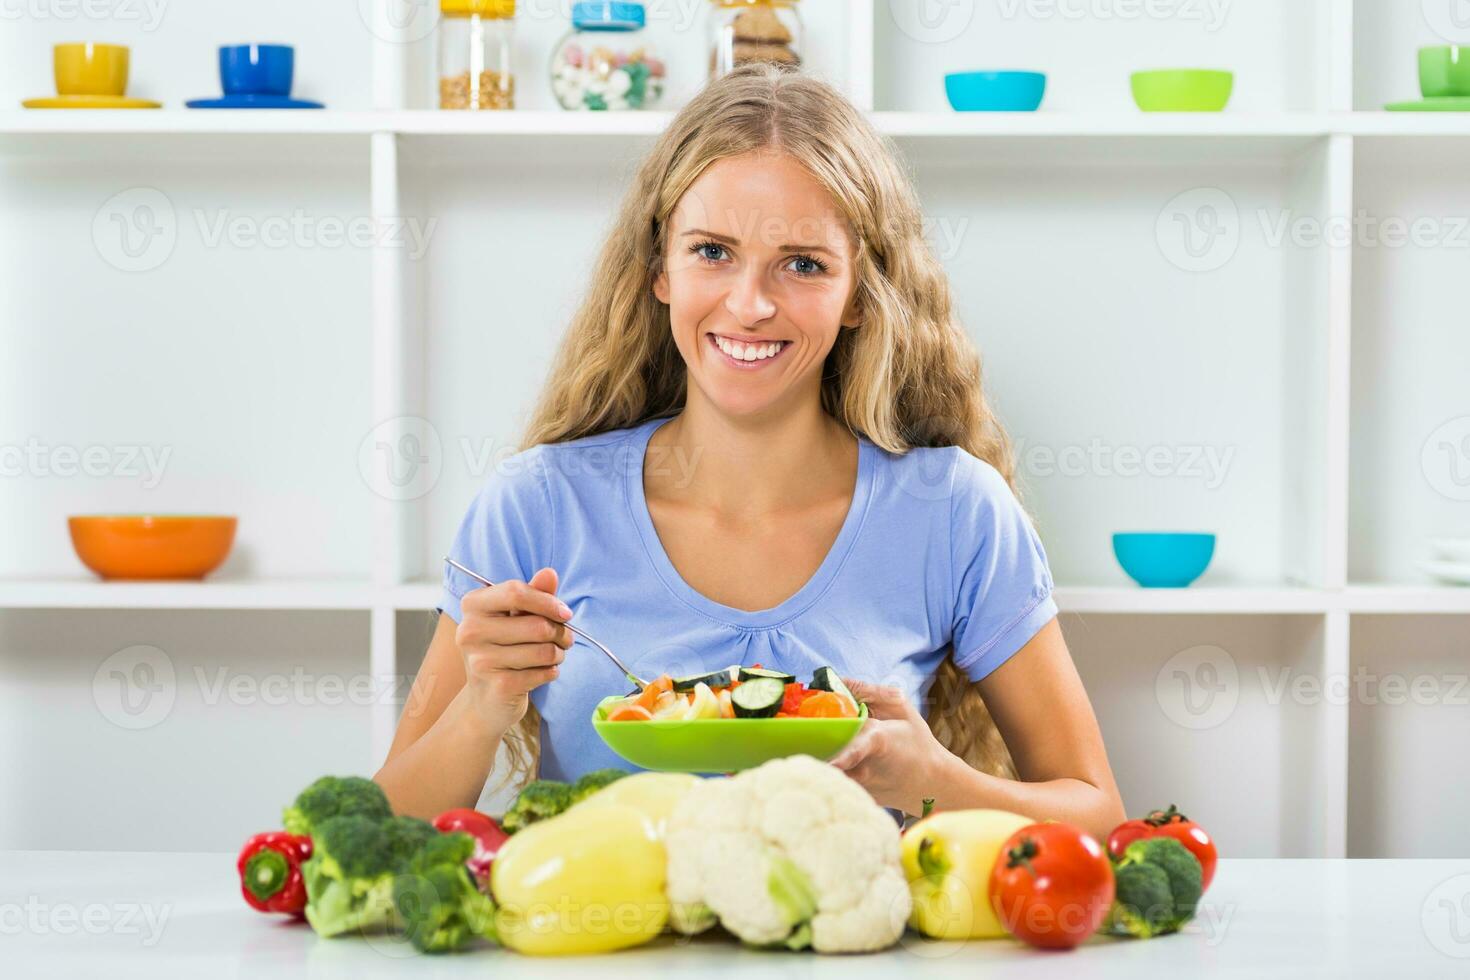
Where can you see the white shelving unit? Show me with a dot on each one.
(283, 375)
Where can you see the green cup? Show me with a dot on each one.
(1444, 69)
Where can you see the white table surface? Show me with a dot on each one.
(118, 915)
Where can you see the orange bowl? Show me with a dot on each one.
(151, 546)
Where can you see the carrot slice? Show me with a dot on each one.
(629, 712)
(649, 696)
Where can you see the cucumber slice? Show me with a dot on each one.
(826, 679)
(758, 697)
(751, 673)
(719, 678)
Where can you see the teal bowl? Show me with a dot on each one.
(995, 91)
(1163, 559)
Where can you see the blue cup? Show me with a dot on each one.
(256, 69)
(1164, 560)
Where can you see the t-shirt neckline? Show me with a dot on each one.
(794, 604)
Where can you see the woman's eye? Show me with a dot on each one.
(710, 251)
(805, 265)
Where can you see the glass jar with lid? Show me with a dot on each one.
(606, 62)
(744, 31)
(476, 53)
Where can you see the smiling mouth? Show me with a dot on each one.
(748, 354)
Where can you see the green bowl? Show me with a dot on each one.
(1444, 70)
(1182, 89)
(722, 744)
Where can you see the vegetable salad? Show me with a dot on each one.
(738, 692)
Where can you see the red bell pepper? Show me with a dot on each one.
(270, 872)
(488, 840)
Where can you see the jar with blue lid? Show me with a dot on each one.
(606, 62)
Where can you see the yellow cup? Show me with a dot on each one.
(91, 69)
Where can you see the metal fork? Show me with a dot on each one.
(610, 655)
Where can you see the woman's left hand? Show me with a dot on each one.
(894, 756)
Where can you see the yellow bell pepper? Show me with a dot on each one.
(651, 793)
(947, 858)
(588, 881)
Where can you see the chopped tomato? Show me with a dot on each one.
(796, 693)
(825, 704)
(629, 712)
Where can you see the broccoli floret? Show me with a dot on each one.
(349, 877)
(593, 781)
(540, 800)
(335, 796)
(436, 900)
(1158, 884)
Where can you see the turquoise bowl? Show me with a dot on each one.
(995, 91)
(1164, 559)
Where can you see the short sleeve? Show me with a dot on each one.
(505, 534)
(1002, 584)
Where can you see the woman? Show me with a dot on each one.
(764, 441)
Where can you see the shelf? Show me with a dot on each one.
(1298, 126)
(347, 594)
(246, 594)
(191, 122)
(1408, 599)
(1263, 600)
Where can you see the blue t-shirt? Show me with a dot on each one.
(935, 550)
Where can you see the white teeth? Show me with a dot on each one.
(748, 352)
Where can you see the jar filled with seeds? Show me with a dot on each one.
(745, 31)
(606, 62)
(475, 54)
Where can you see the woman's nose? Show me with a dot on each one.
(748, 301)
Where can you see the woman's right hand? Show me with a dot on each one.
(512, 640)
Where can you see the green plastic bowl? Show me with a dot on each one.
(1182, 89)
(722, 744)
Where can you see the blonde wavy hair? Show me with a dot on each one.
(907, 376)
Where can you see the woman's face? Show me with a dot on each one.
(758, 277)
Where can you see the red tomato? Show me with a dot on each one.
(1168, 823)
(796, 693)
(1126, 833)
(1052, 885)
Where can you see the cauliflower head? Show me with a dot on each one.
(791, 853)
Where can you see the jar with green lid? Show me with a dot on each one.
(745, 31)
(476, 53)
(607, 62)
